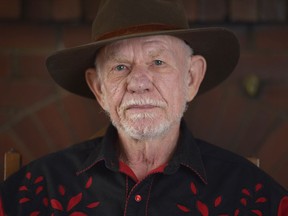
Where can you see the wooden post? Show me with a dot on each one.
(254, 160)
(12, 162)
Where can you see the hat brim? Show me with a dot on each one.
(218, 46)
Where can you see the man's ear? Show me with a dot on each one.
(93, 81)
(195, 75)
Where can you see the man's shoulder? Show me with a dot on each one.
(67, 160)
(75, 153)
(53, 169)
(215, 153)
(221, 163)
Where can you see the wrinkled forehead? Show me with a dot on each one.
(158, 43)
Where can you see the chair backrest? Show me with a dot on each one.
(254, 160)
(12, 162)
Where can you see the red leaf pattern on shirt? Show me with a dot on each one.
(183, 208)
(203, 209)
(74, 201)
(261, 200)
(258, 187)
(28, 175)
(38, 179)
(39, 189)
(93, 205)
(56, 204)
(23, 188)
(257, 212)
(243, 201)
(248, 201)
(236, 213)
(24, 200)
(246, 192)
(89, 183)
(218, 201)
(193, 188)
(35, 213)
(258, 200)
(78, 214)
(45, 202)
(61, 190)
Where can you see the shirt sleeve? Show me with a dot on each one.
(283, 207)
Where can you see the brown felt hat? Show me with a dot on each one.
(123, 19)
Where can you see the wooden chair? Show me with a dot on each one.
(12, 162)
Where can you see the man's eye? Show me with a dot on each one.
(120, 67)
(158, 62)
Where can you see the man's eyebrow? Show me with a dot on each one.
(114, 56)
(155, 47)
(155, 53)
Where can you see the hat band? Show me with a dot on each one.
(135, 30)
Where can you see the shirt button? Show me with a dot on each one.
(138, 198)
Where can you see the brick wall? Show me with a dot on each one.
(38, 117)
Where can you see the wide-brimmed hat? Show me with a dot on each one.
(124, 19)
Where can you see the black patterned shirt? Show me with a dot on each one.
(88, 179)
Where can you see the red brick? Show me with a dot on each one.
(33, 66)
(275, 96)
(5, 115)
(274, 148)
(212, 10)
(9, 139)
(27, 36)
(10, 9)
(273, 10)
(90, 8)
(85, 116)
(201, 118)
(279, 172)
(259, 121)
(242, 36)
(272, 38)
(57, 130)
(28, 132)
(6, 62)
(267, 66)
(232, 117)
(23, 93)
(6, 143)
(75, 36)
(64, 10)
(244, 10)
(38, 10)
(192, 9)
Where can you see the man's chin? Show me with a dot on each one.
(146, 131)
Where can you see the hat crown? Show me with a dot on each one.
(122, 17)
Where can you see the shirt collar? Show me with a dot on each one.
(187, 153)
(105, 151)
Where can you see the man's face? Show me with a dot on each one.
(144, 84)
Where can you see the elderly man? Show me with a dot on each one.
(143, 67)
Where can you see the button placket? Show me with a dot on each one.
(136, 202)
(138, 198)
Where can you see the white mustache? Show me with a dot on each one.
(139, 102)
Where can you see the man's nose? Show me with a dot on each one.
(139, 80)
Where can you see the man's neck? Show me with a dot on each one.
(143, 156)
